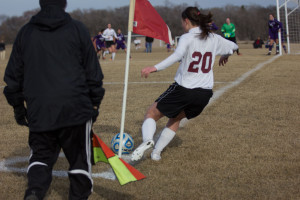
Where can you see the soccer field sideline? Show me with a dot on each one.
(6, 164)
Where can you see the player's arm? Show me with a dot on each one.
(105, 34)
(173, 58)
(225, 49)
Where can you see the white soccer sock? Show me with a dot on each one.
(164, 139)
(148, 129)
(113, 55)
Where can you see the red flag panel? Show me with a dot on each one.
(149, 23)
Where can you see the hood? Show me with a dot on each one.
(50, 18)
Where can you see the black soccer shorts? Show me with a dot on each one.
(109, 43)
(177, 99)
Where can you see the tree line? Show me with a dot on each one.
(250, 21)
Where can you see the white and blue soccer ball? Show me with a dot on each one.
(127, 146)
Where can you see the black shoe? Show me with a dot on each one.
(277, 53)
(269, 54)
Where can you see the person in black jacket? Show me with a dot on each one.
(54, 69)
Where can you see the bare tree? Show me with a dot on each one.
(250, 21)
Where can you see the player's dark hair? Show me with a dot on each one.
(199, 19)
(102, 30)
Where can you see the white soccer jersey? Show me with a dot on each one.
(197, 58)
(109, 34)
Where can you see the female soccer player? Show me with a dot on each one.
(121, 41)
(99, 44)
(275, 26)
(193, 85)
(110, 37)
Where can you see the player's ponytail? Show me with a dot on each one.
(199, 19)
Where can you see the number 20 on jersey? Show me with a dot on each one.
(205, 67)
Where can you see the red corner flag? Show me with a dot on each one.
(149, 23)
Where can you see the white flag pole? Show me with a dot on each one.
(130, 29)
(279, 33)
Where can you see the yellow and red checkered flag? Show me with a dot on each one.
(123, 171)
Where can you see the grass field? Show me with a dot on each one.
(246, 145)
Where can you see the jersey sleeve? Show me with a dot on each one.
(225, 47)
(176, 56)
(233, 28)
(104, 34)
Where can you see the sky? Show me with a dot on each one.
(17, 7)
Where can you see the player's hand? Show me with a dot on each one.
(223, 60)
(147, 70)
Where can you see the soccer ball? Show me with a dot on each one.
(127, 146)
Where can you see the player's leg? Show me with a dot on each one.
(193, 101)
(103, 49)
(113, 54)
(271, 46)
(76, 144)
(148, 131)
(166, 136)
(44, 153)
(277, 46)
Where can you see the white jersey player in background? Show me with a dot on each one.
(194, 80)
(110, 37)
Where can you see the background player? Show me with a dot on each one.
(110, 37)
(228, 29)
(193, 85)
(121, 41)
(274, 28)
(99, 44)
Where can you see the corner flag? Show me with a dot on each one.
(149, 23)
(123, 171)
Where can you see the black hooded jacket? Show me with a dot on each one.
(53, 67)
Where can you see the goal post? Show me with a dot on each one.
(288, 13)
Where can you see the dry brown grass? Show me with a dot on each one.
(244, 146)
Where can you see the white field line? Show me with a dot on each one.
(6, 165)
(218, 93)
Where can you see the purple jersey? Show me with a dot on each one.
(274, 26)
(99, 41)
(120, 38)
